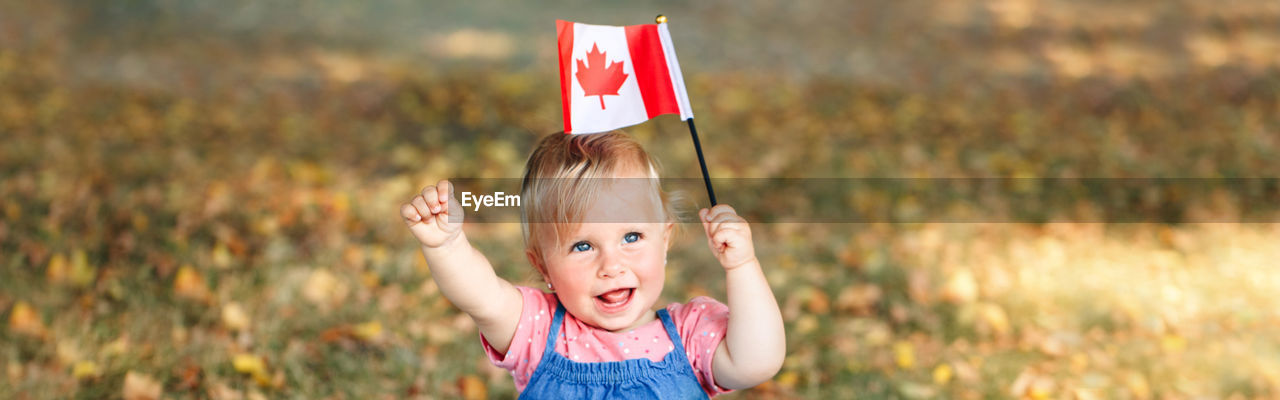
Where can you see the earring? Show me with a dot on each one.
(549, 287)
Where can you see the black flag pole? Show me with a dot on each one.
(697, 145)
(706, 177)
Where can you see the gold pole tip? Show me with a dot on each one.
(661, 19)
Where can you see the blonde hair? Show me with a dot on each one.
(564, 177)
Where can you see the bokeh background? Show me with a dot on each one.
(200, 198)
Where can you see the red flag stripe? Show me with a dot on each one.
(650, 66)
(564, 35)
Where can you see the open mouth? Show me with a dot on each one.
(614, 300)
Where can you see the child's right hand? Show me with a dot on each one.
(434, 216)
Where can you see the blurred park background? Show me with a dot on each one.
(200, 198)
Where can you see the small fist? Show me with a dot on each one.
(728, 235)
(434, 216)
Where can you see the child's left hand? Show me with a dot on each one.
(728, 235)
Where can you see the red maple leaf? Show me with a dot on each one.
(598, 80)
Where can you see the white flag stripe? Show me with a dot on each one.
(673, 67)
(626, 108)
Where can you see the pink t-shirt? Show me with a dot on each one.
(701, 324)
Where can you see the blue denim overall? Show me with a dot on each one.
(558, 377)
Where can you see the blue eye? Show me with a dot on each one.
(631, 237)
(581, 246)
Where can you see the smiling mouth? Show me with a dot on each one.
(615, 300)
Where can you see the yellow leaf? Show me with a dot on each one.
(24, 320)
(369, 331)
(788, 379)
(806, 324)
(995, 318)
(1138, 385)
(942, 374)
(141, 387)
(323, 288)
(961, 288)
(370, 279)
(253, 366)
(234, 317)
(1041, 388)
(341, 204)
(378, 254)
(116, 347)
(82, 274)
(904, 354)
(248, 364)
(190, 284)
(12, 209)
(56, 272)
(1173, 344)
(84, 370)
(221, 256)
(67, 351)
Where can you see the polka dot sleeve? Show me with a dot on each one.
(702, 323)
(525, 351)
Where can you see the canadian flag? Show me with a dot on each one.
(617, 76)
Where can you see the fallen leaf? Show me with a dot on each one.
(220, 256)
(818, 302)
(1022, 383)
(116, 347)
(85, 370)
(81, 274)
(1084, 394)
(189, 284)
(942, 374)
(1053, 345)
(220, 391)
(234, 317)
(323, 288)
(961, 287)
(67, 351)
(1041, 388)
(370, 332)
(904, 354)
(253, 366)
(1173, 344)
(25, 321)
(248, 364)
(472, 387)
(806, 324)
(787, 380)
(1137, 385)
(190, 377)
(995, 318)
(141, 387)
(858, 299)
(56, 271)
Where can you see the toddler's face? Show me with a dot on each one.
(609, 274)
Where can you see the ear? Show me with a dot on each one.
(536, 261)
(667, 233)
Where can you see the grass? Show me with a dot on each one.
(152, 189)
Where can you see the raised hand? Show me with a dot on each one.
(434, 216)
(728, 235)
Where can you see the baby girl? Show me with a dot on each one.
(597, 227)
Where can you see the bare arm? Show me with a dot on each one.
(755, 341)
(463, 274)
